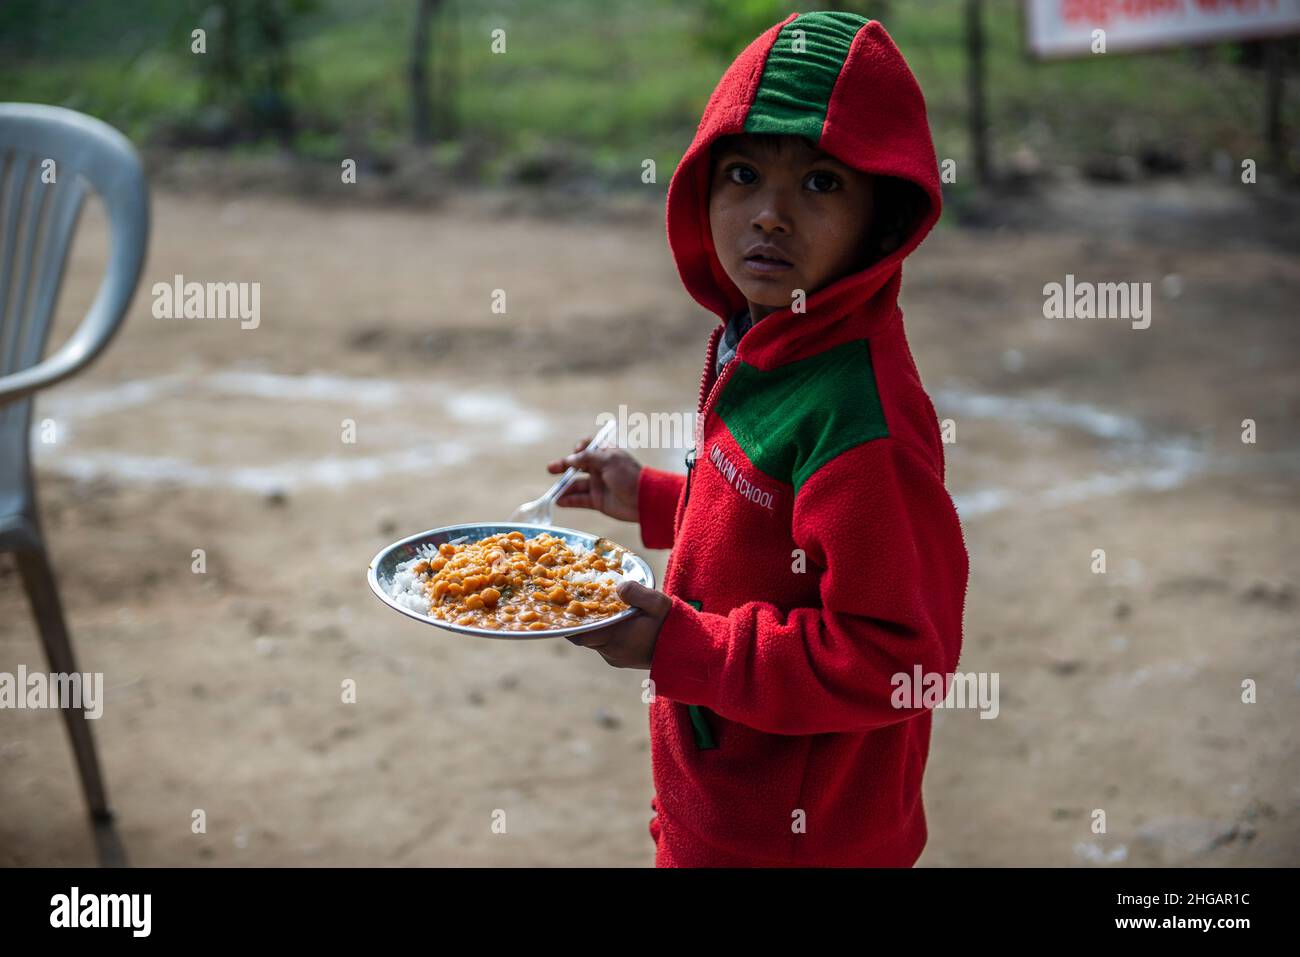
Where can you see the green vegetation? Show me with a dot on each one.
(606, 83)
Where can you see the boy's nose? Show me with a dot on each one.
(770, 219)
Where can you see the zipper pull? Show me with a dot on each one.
(690, 467)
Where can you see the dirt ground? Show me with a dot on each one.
(1119, 691)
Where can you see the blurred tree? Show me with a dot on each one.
(248, 66)
(446, 103)
(976, 106)
(434, 113)
(419, 70)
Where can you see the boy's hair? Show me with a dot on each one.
(900, 204)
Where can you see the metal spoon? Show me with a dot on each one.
(538, 511)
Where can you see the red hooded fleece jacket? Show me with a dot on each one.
(816, 554)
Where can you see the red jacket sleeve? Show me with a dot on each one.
(657, 493)
(878, 526)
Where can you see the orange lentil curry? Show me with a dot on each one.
(513, 583)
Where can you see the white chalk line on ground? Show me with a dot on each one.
(72, 411)
(1157, 464)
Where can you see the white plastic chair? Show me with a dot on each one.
(37, 221)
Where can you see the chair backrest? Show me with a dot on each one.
(49, 158)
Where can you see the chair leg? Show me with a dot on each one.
(43, 593)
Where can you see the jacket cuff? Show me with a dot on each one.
(684, 657)
(657, 492)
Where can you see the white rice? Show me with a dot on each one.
(407, 588)
(611, 576)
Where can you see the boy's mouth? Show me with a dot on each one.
(766, 259)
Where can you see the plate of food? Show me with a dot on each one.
(507, 579)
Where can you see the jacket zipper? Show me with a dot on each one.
(700, 728)
(707, 394)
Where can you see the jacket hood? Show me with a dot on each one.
(839, 80)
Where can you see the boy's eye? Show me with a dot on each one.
(739, 173)
(822, 182)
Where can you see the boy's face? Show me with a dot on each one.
(814, 211)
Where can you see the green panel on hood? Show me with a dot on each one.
(792, 420)
(795, 90)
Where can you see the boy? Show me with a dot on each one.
(816, 554)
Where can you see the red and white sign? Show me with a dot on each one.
(1063, 28)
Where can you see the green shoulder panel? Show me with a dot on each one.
(792, 420)
(799, 74)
